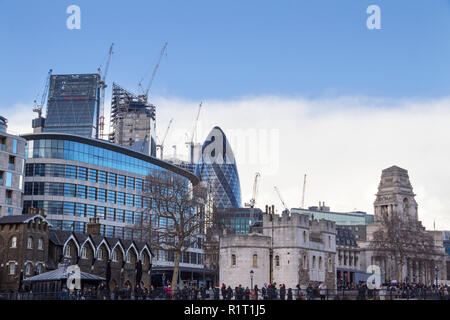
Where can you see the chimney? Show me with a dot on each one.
(93, 227)
(267, 208)
(273, 209)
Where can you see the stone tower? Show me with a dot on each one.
(395, 195)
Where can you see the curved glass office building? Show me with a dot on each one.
(75, 178)
(217, 167)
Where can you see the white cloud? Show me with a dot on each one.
(341, 143)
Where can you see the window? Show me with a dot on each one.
(12, 163)
(82, 173)
(101, 211)
(14, 146)
(69, 190)
(93, 175)
(233, 260)
(81, 191)
(14, 242)
(112, 179)
(71, 172)
(130, 200)
(139, 183)
(101, 195)
(114, 255)
(110, 214)
(119, 215)
(28, 269)
(102, 177)
(8, 179)
(12, 268)
(304, 236)
(120, 198)
(277, 261)
(30, 243)
(67, 251)
(121, 181)
(130, 183)
(320, 263)
(314, 262)
(80, 210)
(92, 193)
(38, 268)
(100, 254)
(128, 257)
(255, 261)
(111, 196)
(41, 244)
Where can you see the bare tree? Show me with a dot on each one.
(176, 219)
(398, 240)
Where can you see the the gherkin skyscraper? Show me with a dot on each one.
(217, 167)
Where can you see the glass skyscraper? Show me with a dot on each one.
(73, 105)
(217, 167)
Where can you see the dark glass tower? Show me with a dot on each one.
(73, 105)
(217, 167)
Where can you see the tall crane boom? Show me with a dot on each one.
(303, 193)
(161, 145)
(38, 107)
(281, 199)
(252, 202)
(190, 143)
(155, 69)
(102, 85)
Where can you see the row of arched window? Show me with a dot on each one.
(30, 243)
(277, 263)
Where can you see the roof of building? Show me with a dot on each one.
(59, 238)
(62, 273)
(345, 237)
(21, 218)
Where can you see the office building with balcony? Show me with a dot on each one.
(12, 162)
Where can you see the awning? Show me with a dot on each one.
(62, 274)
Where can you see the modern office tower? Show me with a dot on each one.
(237, 220)
(73, 105)
(132, 121)
(76, 178)
(217, 167)
(12, 159)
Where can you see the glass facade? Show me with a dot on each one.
(341, 218)
(73, 104)
(237, 220)
(218, 168)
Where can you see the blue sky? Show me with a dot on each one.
(229, 49)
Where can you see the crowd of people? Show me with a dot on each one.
(270, 291)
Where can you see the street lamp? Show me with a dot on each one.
(436, 273)
(251, 280)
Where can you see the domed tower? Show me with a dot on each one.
(395, 196)
(217, 167)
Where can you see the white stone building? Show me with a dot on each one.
(291, 250)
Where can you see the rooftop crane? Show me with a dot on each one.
(155, 69)
(252, 202)
(38, 107)
(161, 145)
(281, 199)
(102, 85)
(190, 143)
(303, 192)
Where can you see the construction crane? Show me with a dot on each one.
(190, 143)
(303, 192)
(155, 69)
(161, 145)
(102, 85)
(39, 106)
(281, 199)
(252, 202)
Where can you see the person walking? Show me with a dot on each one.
(309, 292)
(289, 294)
(224, 291)
(282, 292)
(229, 294)
(255, 292)
(322, 290)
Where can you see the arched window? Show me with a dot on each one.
(330, 265)
(304, 236)
(128, 257)
(329, 241)
(67, 251)
(255, 261)
(100, 254)
(28, 269)
(320, 263)
(12, 268)
(233, 260)
(305, 262)
(40, 244)
(114, 255)
(39, 268)
(277, 261)
(84, 253)
(314, 262)
(14, 242)
(406, 207)
(30, 243)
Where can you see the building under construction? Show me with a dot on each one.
(132, 121)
